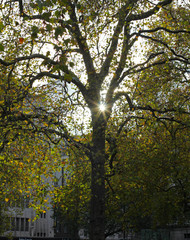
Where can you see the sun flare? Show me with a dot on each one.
(102, 107)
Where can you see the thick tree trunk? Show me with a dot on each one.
(97, 208)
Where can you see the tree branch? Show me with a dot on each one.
(149, 13)
(166, 45)
(23, 14)
(33, 56)
(126, 95)
(40, 75)
(160, 62)
(115, 80)
(114, 42)
(73, 80)
(164, 29)
(153, 111)
(81, 42)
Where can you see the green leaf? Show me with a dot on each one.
(71, 64)
(49, 27)
(68, 77)
(46, 15)
(1, 26)
(57, 13)
(1, 47)
(58, 32)
(67, 41)
(35, 31)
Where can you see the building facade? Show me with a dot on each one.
(22, 225)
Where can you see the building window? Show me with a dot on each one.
(26, 224)
(22, 224)
(43, 215)
(17, 224)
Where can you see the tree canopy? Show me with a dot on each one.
(131, 56)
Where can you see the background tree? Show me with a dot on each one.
(73, 197)
(86, 49)
(157, 194)
(27, 157)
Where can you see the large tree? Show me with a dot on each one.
(90, 53)
(152, 182)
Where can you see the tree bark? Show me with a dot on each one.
(97, 207)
